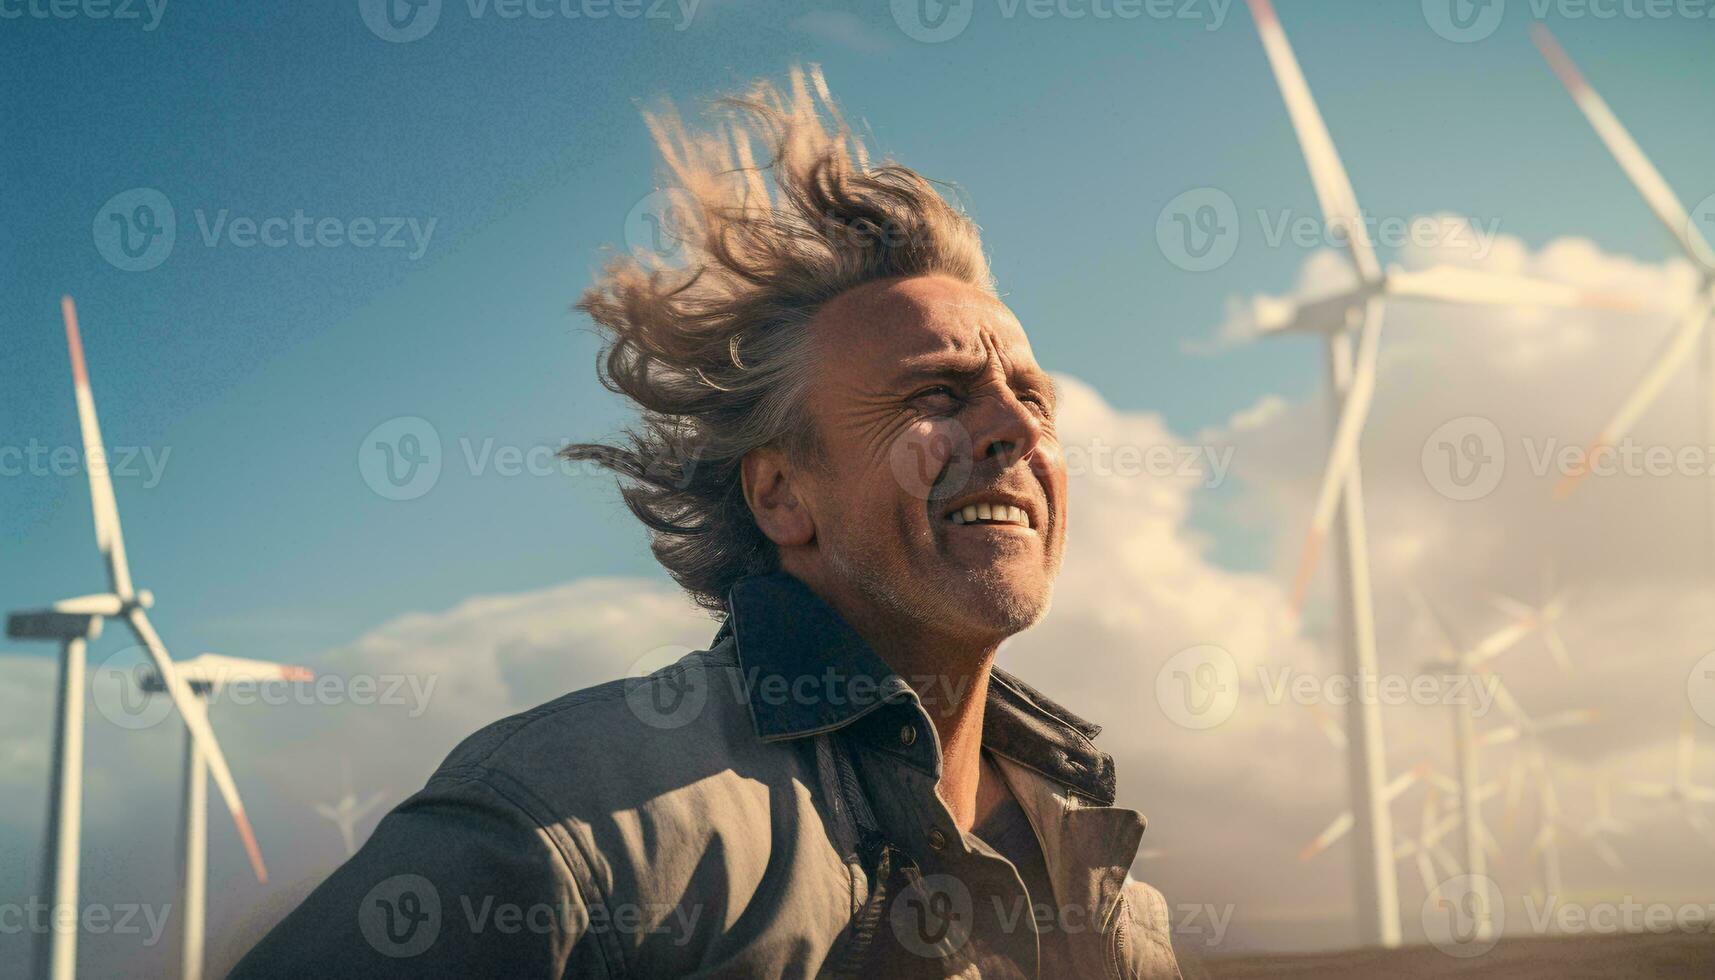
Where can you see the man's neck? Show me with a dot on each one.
(950, 677)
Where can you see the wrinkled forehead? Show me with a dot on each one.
(883, 324)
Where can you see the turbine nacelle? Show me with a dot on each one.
(52, 624)
(109, 604)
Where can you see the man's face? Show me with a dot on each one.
(942, 491)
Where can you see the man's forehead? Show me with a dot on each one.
(924, 316)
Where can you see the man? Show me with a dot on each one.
(848, 453)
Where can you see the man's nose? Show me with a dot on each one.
(1004, 430)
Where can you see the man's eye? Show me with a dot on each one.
(936, 394)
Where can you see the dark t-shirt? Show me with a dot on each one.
(1007, 829)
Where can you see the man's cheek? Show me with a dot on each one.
(931, 459)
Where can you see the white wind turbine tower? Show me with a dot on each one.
(1694, 321)
(348, 810)
(206, 675)
(73, 621)
(1683, 793)
(1352, 378)
(57, 957)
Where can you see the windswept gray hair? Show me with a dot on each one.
(708, 336)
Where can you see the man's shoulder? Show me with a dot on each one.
(620, 743)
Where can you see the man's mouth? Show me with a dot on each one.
(990, 512)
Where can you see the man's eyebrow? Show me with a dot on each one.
(930, 367)
(924, 368)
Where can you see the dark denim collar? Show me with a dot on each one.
(807, 672)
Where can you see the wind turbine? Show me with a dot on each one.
(1532, 761)
(1683, 793)
(348, 811)
(205, 676)
(1352, 377)
(1470, 663)
(1435, 823)
(1543, 619)
(57, 957)
(1694, 321)
(73, 622)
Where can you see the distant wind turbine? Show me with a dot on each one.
(205, 675)
(1531, 763)
(348, 810)
(1683, 793)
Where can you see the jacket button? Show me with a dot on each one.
(908, 735)
(937, 840)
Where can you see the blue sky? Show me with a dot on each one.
(260, 369)
(258, 373)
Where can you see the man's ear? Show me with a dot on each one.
(772, 493)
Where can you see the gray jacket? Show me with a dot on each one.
(764, 808)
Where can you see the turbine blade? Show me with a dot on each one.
(1450, 646)
(1638, 168)
(1512, 607)
(1328, 726)
(1557, 648)
(1343, 454)
(1327, 837)
(1500, 641)
(1606, 852)
(1678, 348)
(190, 708)
(1426, 871)
(1327, 173)
(108, 536)
(364, 807)
(1500, 736)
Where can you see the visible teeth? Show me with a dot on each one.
(997, 513)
